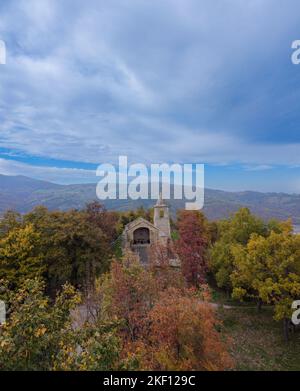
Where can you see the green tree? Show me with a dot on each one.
(10, 220)
(34, 330)
(76, 245)
(41, 335)
(236, 230)
(19, 255)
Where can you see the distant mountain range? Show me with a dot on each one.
(22, 194)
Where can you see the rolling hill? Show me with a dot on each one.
(22, 194)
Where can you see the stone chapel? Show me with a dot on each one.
(140, 234)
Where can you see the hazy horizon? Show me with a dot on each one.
(95, 183)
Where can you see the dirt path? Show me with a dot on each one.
(219, 305)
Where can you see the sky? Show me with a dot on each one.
(175, 81)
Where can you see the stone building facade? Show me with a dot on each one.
(140, 234)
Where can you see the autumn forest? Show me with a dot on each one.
(76, 301)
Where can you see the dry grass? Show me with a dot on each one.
(257, 341)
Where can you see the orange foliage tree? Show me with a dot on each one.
(162, 324)
(183, 334)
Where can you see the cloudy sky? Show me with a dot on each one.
(198, 81)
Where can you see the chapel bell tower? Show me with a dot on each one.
(162, 218)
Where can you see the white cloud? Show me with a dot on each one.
(260, 167)
(52, 174)
(157, 81)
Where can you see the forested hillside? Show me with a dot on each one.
(23, 194)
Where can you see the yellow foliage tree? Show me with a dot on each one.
(20, 257)
(268, 270)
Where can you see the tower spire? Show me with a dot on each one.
(160, 201)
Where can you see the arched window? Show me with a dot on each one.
(141, 236)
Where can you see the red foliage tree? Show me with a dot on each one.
(165, 273)
(132, 291)
(192, 246)
(106, 220)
